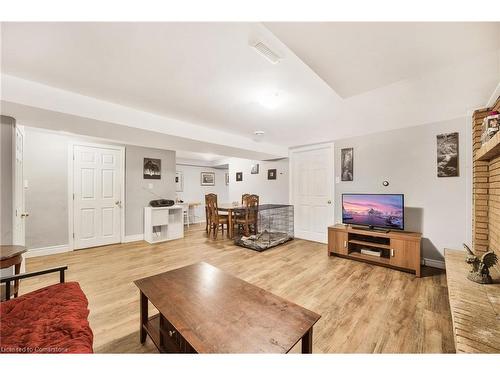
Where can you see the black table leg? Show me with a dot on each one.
(144, 316)
(307, 342)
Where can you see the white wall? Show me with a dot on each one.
(46, 169)
(194, 192)
(406, 158)
(269, 191)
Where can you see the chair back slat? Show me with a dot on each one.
(212, 208)
(251, 207)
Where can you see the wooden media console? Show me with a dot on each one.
(396, 249)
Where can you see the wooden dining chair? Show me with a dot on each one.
(216, 220)
(244, 197)
(248, 219)
(210, 196)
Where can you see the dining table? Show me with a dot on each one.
(230, 208)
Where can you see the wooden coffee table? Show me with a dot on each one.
(205, 310)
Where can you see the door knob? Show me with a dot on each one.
(25, 215)
(118, 203)
(329, 202)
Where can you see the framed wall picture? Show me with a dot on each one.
(271, 174)
(347, 164)
(179, 181)
(226, 178)
(447, 155)
(152, 169)
(239, 176)
(255, 169)
(207, 178)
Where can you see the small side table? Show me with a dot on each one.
(12, 255)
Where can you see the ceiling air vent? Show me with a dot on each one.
(266, 52)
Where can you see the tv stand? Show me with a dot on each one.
(395, 249)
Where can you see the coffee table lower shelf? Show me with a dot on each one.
(152, 328)
(165, 337)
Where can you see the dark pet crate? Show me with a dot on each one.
(274, 227)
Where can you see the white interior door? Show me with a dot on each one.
(19, 201)
(312, 191)
(97, 180)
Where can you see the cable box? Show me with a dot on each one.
(370, 252)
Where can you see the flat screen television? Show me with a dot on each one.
(374, 210)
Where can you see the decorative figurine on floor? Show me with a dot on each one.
(480, 272)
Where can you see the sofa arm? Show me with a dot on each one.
(9, 279)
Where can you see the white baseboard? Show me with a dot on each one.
(49, 250)
(433, 263)
(133, 238)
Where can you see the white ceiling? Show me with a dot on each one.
(356, 57)
(395, 75)
(203, 73)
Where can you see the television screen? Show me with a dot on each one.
(374, 210)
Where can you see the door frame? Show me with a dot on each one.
(291, 154)
(71, 217)
(15, 128)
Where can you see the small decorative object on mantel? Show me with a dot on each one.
(480, 272)
(255, 169)
(271, 174)
(239, 176)
(447, 155)
(152, 169)
(491, 125)
(207, 179)
(347, 165)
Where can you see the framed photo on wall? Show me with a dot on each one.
(207, 179)
(179, 181)
(239, 176)
(347, 164)
(271, 174)
(152, 169)
(255, 169)
(226, 178)
(447, 155)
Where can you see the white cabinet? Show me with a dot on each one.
(163, 223)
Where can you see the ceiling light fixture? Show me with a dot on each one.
(259, 132)
(270, 100)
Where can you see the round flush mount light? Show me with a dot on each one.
(270, 100)
(259, 132)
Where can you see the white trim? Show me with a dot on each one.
(16, 239)
(468, 177)
(434, 263)
(71, 218)
(133, 238)
(49, 250)
(494, 96)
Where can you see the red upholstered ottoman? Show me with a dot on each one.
(48, 320)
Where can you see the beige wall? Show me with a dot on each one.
(194, 192)
(269, 191)
(46, 169)
(406, 158)
(137, 189)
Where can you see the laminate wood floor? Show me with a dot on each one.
(364, 308)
